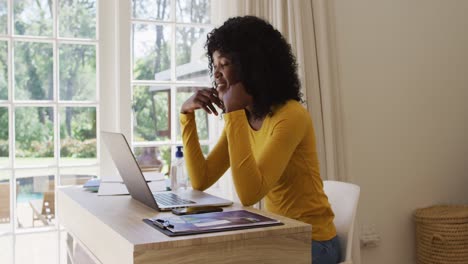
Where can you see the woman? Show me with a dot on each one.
(268, 138)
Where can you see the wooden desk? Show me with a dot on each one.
(109, 229)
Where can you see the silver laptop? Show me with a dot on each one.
(138, 188)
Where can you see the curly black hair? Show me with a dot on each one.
(263, 58)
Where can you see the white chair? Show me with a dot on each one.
(344, 198)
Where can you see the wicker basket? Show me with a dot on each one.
(442, 235)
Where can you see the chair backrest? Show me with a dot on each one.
(4, 202)
(343, 198)
(48, 204)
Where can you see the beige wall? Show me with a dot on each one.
(403, 70)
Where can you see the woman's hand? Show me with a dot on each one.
(235, 97)
(204, 99)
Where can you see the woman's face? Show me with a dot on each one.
(224, 73)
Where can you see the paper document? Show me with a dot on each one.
(153, 175)
(119, 188)
(112, 188)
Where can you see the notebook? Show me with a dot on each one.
(209, 222)
(138, 188)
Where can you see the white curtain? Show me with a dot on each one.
(296, 20)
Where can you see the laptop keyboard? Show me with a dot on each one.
(170, 199)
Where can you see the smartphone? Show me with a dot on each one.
(196, 210)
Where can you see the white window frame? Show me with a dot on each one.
(11, 168)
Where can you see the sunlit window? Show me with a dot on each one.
(50, 103)
(168, 66)
(49, 107)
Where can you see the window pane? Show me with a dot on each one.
(5, 220)
(151, 52)
(33, 71)
(3, 17)
(183, 93)
(4, 135)
(34, 135)
(151, 113)
(77, 135)
(191, 60)
(75, 178)
(197, 11)
(37, 248)
(33, 17)
(77, 72)
(205, 149)
(151, 9)
(77, 19)
(79, 171)
(35, 197)
(157, 158)
(3, 70)
(6, 244)
(149, 159)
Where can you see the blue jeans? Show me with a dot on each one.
(326, 252)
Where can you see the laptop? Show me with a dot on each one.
(138, 188)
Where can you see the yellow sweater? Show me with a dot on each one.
(278, 162)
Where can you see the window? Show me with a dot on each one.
(49, 109)
(58, 89)
(168, 64)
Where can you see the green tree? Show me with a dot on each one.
(34, 73)
(150, 108)
(77, 62)
(150, 104)
(3, 132)
(3, 70)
